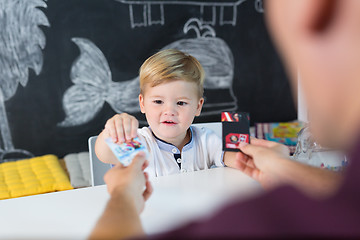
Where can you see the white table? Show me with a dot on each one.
(72, 214)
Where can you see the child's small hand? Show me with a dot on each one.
(122, 127)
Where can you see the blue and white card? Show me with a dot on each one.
(125, 152)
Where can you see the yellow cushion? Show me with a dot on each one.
(32, 176)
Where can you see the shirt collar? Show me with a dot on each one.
(168, 147)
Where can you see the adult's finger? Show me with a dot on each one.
(248, 149)
(146, 164)
(118, 165)
(242, 157)
(251, 172)
(262, 142)
(146, 176)
(245, 159)
(115, 168)
(138, 161)
(148, 190)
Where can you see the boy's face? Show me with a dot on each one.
(170, 108)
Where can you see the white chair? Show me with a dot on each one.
(98, 168)
(215, 126)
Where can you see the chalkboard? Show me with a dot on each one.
(68, 66)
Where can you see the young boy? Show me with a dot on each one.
(171, 95)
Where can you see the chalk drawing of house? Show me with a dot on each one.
(145, 13)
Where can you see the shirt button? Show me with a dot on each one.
(174, 150)
(183, 170)
(178, 160)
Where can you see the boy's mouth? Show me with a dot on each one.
(168, 122)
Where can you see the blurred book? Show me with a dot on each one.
(283, 132)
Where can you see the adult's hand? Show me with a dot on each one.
(269, 163)
(259, 159)
(129, 188)
(130, 181)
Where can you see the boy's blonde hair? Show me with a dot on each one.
(171, 65)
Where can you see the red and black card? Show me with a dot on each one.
(235, 129)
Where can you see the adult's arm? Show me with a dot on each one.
(127, 199)
(120, 219)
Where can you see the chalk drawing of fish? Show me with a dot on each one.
(93, 85)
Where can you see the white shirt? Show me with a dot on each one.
(203, 151)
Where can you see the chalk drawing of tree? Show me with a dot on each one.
(21, 44)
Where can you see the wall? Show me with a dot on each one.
(82, 60)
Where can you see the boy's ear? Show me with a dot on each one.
(199, 107)
(141, 103)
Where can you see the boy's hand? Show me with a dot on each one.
(121, 128)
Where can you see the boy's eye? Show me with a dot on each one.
(158, 101)
(181, 103)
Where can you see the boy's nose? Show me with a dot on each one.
(169, 110)
(169, 113)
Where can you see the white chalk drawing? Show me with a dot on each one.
(146, 7)
(147, 18)
(21, 42)
(93, 85)
(259, 6)
(216, 58)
